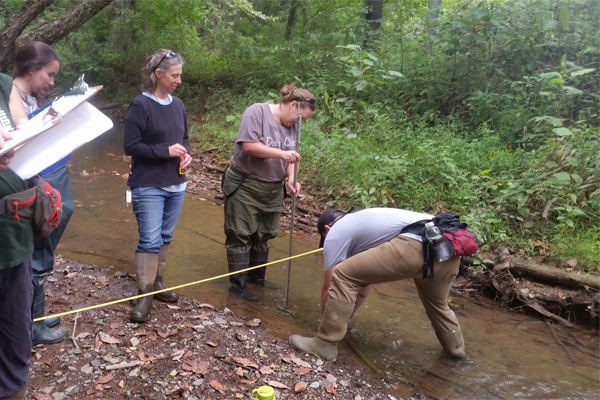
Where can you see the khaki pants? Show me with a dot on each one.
(400, 258)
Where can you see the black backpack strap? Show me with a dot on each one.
(427, 261)
(244, 176)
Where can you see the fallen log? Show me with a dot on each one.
(554, 275)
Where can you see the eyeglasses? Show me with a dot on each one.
(311, 102)
(169, 56)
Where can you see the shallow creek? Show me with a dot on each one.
(512, 354)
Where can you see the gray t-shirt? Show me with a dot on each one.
(259, 125)
(365, 229)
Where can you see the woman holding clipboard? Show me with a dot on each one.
(156, 138)
(35, 66)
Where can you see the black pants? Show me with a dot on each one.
(16, 301)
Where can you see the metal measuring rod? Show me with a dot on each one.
(293, 215)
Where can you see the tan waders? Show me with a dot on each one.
(452, 342)
(169, 296)
(146, 268)
(332, 330)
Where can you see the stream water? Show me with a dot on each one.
(513, 354)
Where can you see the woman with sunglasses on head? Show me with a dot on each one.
(35, 66)
(156, 138)
(264, 155)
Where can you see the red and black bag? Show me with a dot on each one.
(463, 242)
(41, 204)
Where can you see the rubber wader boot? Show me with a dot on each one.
(452, 342)
(238, 262)
(20, 395)
(41, 333)
(332, 329)
(146, 266)
(52, 322)
(257, 276)
(169, 296)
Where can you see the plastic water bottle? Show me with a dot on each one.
(263, 393)
(441, 252)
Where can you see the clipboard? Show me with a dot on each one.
(81, 125)
(47, 119)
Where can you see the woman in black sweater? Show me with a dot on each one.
(156, 138)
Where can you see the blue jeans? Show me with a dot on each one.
(43, 253)
(157, 212)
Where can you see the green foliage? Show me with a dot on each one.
(490, 110)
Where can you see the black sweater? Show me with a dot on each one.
(150, 128)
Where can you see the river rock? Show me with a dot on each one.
(87, 369)
(71, 390)
(59, 396)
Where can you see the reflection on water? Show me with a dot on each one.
(512, 355)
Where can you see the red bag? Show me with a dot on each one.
(463, 242)
(41, 204)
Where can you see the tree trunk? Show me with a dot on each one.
(433, 9)
(291, 22)
(554, 275)
(53, 31)
(375, 13)
(16, 26)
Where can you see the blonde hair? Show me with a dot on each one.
(290, 93)
(156, 61)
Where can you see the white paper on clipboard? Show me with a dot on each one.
(81, 125)
(44, 121)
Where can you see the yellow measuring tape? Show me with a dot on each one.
(172, 288)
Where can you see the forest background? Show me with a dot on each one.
(486, 108)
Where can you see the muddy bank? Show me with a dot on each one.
(187, 350)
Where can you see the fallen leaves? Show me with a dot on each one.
(197, 367)
(108, 339)
(104, 379)
(302, 371)
(161, 334)
(178, 354)
(266, 370)
(330, 388)
(277, 385)
(216, 385)
(300, 387)
(245, 362)
(300, 362)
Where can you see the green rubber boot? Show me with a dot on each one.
(42, 334)
(146, 267)
(238, 262)
(169, 296)
(332, 330)
(257, 276)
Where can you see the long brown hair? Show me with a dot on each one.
(33, 56)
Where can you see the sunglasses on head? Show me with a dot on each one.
(311, 102)
(169, 55)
